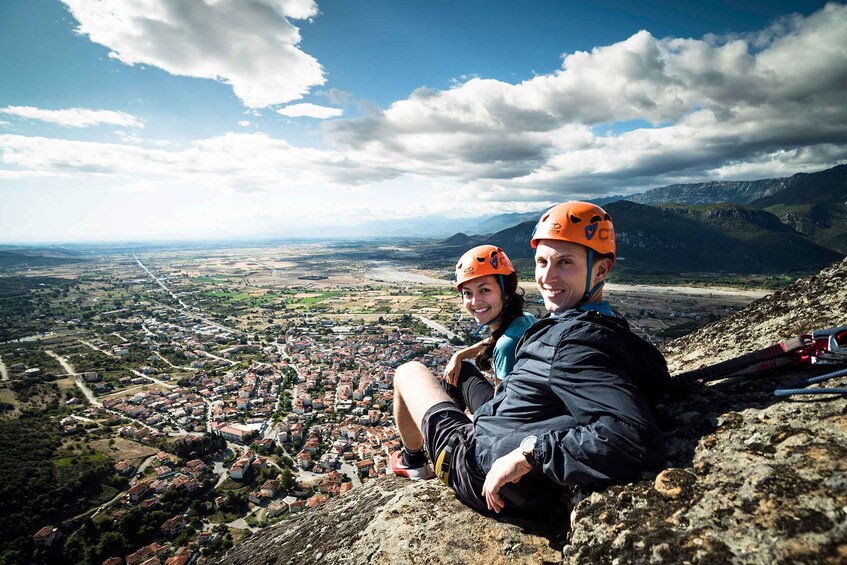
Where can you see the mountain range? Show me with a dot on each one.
(796, 224)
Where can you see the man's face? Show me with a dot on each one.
(560, 269)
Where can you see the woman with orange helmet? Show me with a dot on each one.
(490, 293)
(488, 283)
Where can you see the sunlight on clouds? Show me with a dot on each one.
(74, 117)
(310, 111)
(247, 44)
(235, 161)
(710, 102)
(297, 9)
(779, 163)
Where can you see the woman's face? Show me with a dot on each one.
(483, 299)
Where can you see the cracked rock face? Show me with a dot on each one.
(750, 478)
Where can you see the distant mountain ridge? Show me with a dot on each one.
(800, 189)
(813, 204)
(737, 192)
(13, 256)
(720, 238)
(793, 224)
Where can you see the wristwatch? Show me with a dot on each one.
(528, 449)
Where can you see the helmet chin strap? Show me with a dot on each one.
(589, 290)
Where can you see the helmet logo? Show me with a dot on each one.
(590, 230)
(494, 262)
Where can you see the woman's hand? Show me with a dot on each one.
(454, 367)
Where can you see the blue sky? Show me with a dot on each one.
(190, 119)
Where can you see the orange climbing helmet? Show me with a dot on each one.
(481, 261)
(577, 222)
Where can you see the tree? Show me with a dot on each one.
(287, 480)
(112, 544)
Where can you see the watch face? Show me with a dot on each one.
(528, 444)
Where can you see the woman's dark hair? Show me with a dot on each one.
(512, 309)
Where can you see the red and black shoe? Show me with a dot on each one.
(422, 473)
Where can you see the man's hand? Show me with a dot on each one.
(508, 469)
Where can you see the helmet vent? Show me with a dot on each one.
(575, 219)
(595, 219)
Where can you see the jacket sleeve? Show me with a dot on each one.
(615, 435)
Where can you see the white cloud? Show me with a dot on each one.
(11, 174)
(244, 123)
(74, 117)
(239, 162)
(137, 186)
(310, 111)
(248, 44)
(336, 96)
(712, 103)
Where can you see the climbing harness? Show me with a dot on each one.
(820, 347)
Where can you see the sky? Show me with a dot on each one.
(130, 120)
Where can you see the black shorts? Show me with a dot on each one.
(471, 390)
(441, 423)
(445, 421)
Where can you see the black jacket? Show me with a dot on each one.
(582, 383)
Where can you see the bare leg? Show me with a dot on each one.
(416, 390)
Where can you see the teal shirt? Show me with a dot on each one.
(503, 356)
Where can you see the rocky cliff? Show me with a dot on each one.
(749, 478)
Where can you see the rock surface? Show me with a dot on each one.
(750, 478)
(392, 520)
(816, 302)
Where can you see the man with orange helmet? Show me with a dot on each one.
(575, 227)
(575, 410)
